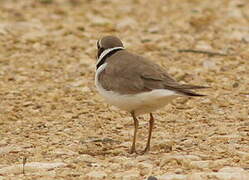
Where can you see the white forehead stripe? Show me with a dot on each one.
(107, 51)
(100, 43)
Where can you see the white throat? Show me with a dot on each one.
(107, 51)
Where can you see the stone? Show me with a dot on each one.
(196, 176)
(96, 175)
(114, 166)
(202, 45)
(172, 177)
(180, 159)
(145, 168)
(154, 29)
(217, 164)
(209, 64)
(65, 152)
(232, 169)
(199, 164)
(129, 164)
(77, 83)
(126, 23)
(128, 175)
(3, 28)
(178, 171)
(152, 178)
(86, 158)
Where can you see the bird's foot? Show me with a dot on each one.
(133, 150)
(146, 150)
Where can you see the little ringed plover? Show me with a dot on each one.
(134, 83)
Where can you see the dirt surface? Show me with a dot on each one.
(52, 117)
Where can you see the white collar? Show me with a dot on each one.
(107, 51)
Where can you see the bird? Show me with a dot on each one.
(135, 84)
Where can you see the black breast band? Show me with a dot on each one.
(102, 61)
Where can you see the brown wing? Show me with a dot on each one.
(128, 73)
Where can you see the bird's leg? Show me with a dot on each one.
(151, 122)
(133, 147)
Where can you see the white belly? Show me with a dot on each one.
(140, 103)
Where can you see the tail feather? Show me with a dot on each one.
(185, 90)
(187, 86)
(190, 93)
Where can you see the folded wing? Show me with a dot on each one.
(130, 74)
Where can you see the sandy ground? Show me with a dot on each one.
(51, 114)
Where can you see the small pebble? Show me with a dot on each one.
(152, 178)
